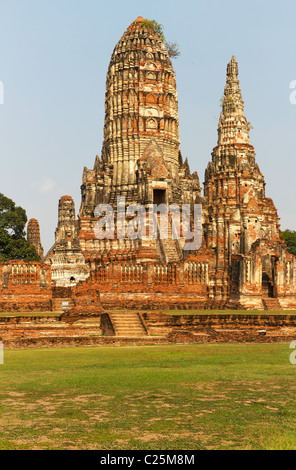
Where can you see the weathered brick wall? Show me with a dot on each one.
(25, 286)
(222, 328)
(155, 319)
(51, 331)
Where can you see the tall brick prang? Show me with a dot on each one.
(33, 236)
(141, 158)
(240, 223)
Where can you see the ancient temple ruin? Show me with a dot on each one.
(240, 223)
(66, 259)
(140, 160)
(241, 261)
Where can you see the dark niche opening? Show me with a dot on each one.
(159, 196)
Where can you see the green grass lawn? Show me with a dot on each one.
(201, 396)
(154, 397)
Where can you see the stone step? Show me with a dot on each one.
(128, 332)
(169, 244)
(125, 321)
(127, 328)
(271, 304)
(127, 324)
(171, 252)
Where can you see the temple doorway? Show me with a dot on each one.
(268, 269)
(159, 196)
(267, 286)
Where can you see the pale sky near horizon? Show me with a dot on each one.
(54, 56)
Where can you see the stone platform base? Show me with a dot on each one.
(50, 331)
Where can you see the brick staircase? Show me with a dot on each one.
(127, 324)
(169, 244)
(171, 251)
(271, 304)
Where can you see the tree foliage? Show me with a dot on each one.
(13, 245)
(171, 47)
(156, 27)
(289, 237)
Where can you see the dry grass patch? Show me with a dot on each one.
(219, 396)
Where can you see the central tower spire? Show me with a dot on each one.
(141, 105)
(140, 157)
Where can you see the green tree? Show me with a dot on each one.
(156, 27)
(173, 49)
(289, 237)
(13, 244)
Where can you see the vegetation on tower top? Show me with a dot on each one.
(171, 47)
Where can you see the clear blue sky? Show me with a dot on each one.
(54, 56)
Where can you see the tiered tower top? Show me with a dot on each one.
(233, 125)
(141, 104)
(234, 155)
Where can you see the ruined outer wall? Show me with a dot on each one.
(51, 331)
(223, 327)
(140, 285)
(25, 287)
